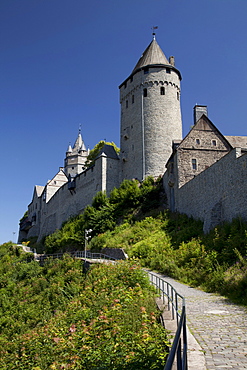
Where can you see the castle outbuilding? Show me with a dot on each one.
(204, 174)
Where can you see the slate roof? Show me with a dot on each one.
(109, 151)
(237, 141)
(152, 55)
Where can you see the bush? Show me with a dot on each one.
(63, 320)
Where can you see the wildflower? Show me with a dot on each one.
(56, 339)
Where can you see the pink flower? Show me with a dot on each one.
(72, 329)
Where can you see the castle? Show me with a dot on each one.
(204, 174)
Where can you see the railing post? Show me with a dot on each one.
(176, 300)
(168, 295)
(172, 304)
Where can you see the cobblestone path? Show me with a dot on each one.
(219, 326)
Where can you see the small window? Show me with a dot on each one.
(146, 70)
(127, 103)
(178, 96)
(145, 93)
(214, 142)
(162, 90)
(198, 141)
(133, 99)
(168, 70)
(194, 164)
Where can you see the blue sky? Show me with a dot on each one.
(62, 62)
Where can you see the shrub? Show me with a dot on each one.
(105, 319)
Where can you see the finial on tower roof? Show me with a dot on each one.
(154, 28)
(79, 128)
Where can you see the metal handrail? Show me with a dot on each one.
(176, 303)
(78, 254)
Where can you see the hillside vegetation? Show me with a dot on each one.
(133, 217)
(56, 317)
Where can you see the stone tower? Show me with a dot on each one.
(150, 114)
(76, 157)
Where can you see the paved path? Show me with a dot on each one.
(219, 326)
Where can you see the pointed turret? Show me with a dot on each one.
(69, 150)
(75, 157)
(79, 144)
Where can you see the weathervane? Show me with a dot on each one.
(154, 28)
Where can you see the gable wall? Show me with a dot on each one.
(199, 146)
(204, 159)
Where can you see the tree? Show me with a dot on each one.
(95, 151)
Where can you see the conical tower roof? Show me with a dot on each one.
(153, 55)
(78, 142)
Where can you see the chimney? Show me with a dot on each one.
(172, 61)
(199, 110)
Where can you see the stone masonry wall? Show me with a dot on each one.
(151, 121)
(66, 203)
(217, 194)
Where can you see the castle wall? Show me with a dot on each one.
(217, 194)
(66, 203)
